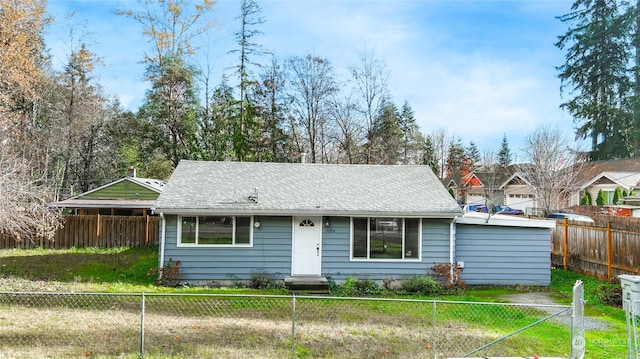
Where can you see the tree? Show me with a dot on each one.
(24, 210)
(269, 103)
(457, 163)
(586, 199)
(22, 24)
(596, 72)
(601, 200)
(552, 167)
(249, 18)
(312, 87)
(473, 155)
(617, 196)
(170, 110)
(171, 26)
(386, 137)
(504, 153)
(349, 134)
(171, 107)
(370, 81)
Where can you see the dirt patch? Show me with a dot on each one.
(544, 302)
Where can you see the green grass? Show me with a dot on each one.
(127, 271)
(89, 265)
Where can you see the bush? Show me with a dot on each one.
(261, 280)
(423, 284)
(353, 286)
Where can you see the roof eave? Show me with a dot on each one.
(307, 212)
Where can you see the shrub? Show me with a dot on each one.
(353, 286)
(448, 275)
(601, 200)
(419, 284)
(169, 275)
(261, 280)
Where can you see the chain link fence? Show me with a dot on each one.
(632, 311)
(62, 325)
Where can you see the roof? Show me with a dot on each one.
(96, 198)
(293, 189)
(626, 180)
(589, 170)
(504, 220)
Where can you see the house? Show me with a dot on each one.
(518, 193)
(229, 220)
(607, 176)
(127, 196)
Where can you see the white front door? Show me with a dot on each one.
(307, 241)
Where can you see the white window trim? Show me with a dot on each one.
(351, 234)
(196, 245)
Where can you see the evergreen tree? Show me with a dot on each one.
(586, 200)
(596, 72)
(601, 200)
(504, 154)
(473, 155)
(617, 196)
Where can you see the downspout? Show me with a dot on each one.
(163, 226)
(452, 247)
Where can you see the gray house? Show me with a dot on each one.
(228, 220)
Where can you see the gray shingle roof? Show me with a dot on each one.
(292, 188)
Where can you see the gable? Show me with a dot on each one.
(123, 189)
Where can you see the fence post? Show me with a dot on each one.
(609, 252)
(435, 330)
(565, 258)
(142, 327)
(97, 230)
(293, 326)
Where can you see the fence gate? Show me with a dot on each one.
(577, 323)
(632, 312)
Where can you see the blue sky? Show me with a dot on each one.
(476, 69)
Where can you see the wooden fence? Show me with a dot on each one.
(95, 231)
(606, 249)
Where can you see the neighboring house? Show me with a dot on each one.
(475, 188)
(606, 176)
(127, 196)
(518, 193)
(228, 220)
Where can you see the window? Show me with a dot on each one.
(215, 230)
(385, 238)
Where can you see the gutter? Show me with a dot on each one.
(162, 241)
(452, 246)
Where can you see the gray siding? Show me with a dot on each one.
(504, 255)
(271, 253)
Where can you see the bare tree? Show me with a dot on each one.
(552, 166)
(370, 79)
(349, 134)
(24, 213)
(312, 86)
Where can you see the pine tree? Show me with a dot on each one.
(473, 155)
(596, 72)
(504, 154)
(601, 200)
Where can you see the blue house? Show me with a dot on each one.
(225, 220)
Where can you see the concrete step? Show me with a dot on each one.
(307, 284)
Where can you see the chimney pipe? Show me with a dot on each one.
(303, 157)
(131, 172)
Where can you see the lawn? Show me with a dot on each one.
(327, 326)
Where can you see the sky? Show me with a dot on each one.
(476, 69)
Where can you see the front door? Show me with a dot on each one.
(307, 241)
